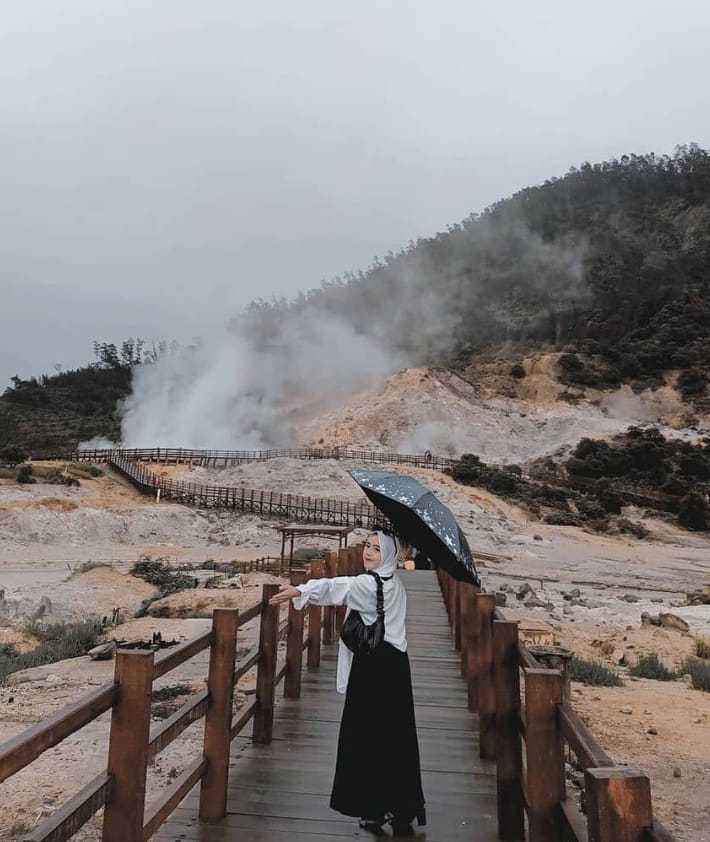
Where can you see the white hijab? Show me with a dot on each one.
(362, 597)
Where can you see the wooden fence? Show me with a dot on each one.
(133, 743)
(535, 714)
(294, 507)
(530, 795)
(226, 458)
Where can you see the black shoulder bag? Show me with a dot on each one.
(355, 634)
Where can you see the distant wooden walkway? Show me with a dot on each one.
(280, 791)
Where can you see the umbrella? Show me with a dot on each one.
(421, 519)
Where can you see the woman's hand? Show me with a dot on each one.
(285, 593)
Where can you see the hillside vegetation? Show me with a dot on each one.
(612, 259)
(609, 264)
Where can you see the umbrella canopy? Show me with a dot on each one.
(421, 519)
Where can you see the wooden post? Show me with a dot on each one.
(315, 615)
(340, 610)
(486, 687)
(218, 720)
(355, 565)
(266, 669)
(545, 754)
(294, 643)
(331, 568)
(509, 755)
(128, 747)
(456, 613)
(474, 656)
(618, 804)
(468, 636)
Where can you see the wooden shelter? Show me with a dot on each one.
(290, 533)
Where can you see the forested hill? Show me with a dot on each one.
(612, 258)
(609, 263)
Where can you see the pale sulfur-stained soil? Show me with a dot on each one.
(47, 532)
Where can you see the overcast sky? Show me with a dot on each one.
(164, 162)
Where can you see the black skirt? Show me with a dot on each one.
(377, 769)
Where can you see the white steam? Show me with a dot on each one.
(255, 383)
(232, 392)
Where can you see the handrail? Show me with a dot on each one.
(22, 749)
(168, 659)
(581, 740)
(331, 510)
(179, 455)
(493, 658)
(129, 693)
(164, 733)
(73, 815)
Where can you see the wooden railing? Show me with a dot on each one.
(494, 663)
(295, 507)
(120, 789)
(493, 660)
(224, 458)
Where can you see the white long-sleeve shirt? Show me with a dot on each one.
(359, 593)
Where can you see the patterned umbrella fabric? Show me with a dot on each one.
(421, 519)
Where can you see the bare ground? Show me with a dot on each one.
(47, 531)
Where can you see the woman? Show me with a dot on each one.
(377, 775)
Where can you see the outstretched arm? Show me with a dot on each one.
(315, 592)
(285, 593)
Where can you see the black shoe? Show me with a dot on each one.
(401, 827)
(372, 825)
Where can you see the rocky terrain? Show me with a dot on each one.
(587, 591)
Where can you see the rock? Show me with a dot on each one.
(524, 591)
(501, 599)
(647, 620)
(657, 599)
(103, 652)
(653, 731)
(673, 621)
(676, 772)
(534, 602)
(537, 537)
(53, 678)
(700, 596)
(629, 597)
(626, 709)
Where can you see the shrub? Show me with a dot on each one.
(692, 383)
(57, 642)
(611, 502)
(702, 648)
(24, 474)
(307, 553)
(699, 671)
(12, 456)
(651, 666)
(167, 578)
(86, 566)
(592, 672)
(517, 371)
(692, 513)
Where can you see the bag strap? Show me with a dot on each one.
(380, 607)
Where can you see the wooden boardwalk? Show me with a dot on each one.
(280, 791)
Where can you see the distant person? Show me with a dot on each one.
(421, 561)
(377, 774)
